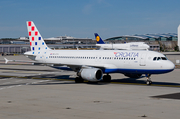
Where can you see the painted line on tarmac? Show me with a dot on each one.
(10, 87)
(36, 82)
(31, 77)
(6, 83)
(161, 85)
(18, 80)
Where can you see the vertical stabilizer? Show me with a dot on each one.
(37, 44)
(179, 37)
(98, 39)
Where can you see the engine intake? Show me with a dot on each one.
(91, 74)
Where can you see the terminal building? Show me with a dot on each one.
(157, 42)
(62, 40)
(146, 37)
(21, 45)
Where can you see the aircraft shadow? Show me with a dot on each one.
(59, 79)
(132, 81)
(143, 81)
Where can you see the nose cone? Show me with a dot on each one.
(170, 66)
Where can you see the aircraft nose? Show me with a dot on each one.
(170, 65)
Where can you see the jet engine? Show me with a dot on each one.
(91, 74)
(133, 75)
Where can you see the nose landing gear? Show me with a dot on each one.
(148, 82)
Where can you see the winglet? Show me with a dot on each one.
(98, 39)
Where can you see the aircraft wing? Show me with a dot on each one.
(76, 67)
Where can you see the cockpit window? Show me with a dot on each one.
(159, 58)
(154, 59)
(163, 58)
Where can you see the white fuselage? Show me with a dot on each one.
(111, 61)
(131, 45)
(91, 64)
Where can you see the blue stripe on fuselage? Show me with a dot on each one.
(134, 71)
(138, 71)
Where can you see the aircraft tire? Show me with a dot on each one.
(79, 80)
(149, 82)
(107, 78)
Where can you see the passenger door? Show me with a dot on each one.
(143, 60)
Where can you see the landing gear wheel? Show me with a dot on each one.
(149, 82)
(79, 80)
(107, 78)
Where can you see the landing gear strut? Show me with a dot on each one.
(107, 78)
(79, 80)
(148, 82)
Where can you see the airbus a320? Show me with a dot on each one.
(90, 65)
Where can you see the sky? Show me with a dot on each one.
(83, 18)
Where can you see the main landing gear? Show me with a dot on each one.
(148, 82)
(79, 80)
(107, 78)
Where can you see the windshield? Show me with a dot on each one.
(159, 58)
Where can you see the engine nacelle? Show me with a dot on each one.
(133, 75)
(91, 74)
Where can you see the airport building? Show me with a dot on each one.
(146, 37)
(63, 40)
(157, 42)
(21, 45)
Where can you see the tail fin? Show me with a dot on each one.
(98, 39)
(37, 44)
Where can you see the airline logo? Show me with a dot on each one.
(126, 54)
(34, 37)
(54, 53)
(133, 45)
(97, 38)
(36, 41)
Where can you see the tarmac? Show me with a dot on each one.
(31, 91)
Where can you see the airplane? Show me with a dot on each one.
(126, 46)
(90, 65)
